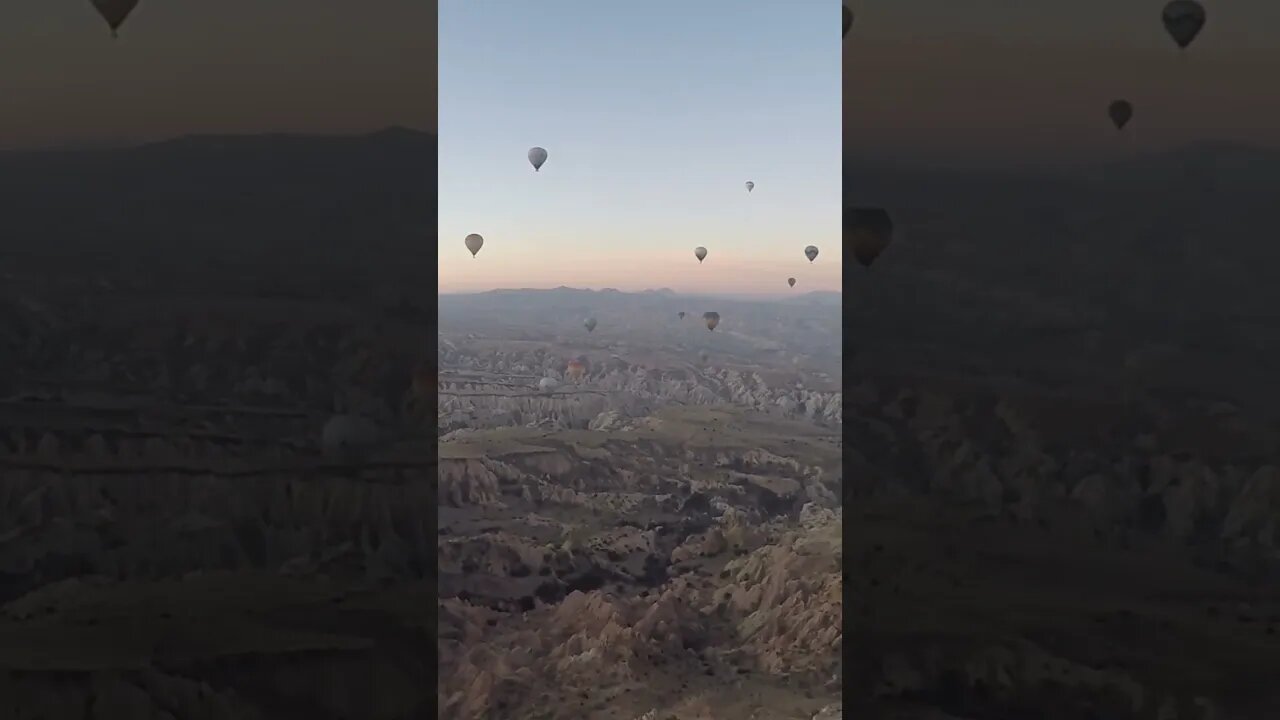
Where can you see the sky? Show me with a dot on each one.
(1011, 82)
(654, 115)
(182, 67)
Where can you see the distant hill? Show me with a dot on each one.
(818, 297)
(878, 181)
(250, 198)
(1071, 271)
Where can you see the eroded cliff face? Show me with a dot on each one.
(483, 391)
(1191, 478)
(1020, 556)
(686, 565)
(173, 543)
(763, 632)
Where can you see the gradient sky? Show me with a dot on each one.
(1018, 82)
(234, 66)
(654, 114)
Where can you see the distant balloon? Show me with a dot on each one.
(868, 231)
(1120, 112)
(537, 156)
(700, 253)
(548, 384)
(474, 242)
(680, 314)
(750, 186)
(115, 12)
(791, 282)
(575, 370)
(847, 21)
(589, 324)
(712, 318)
(811, 252)
(1183, 20)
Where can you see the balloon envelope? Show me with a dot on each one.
(700, 253)
(712, 318)
(811, 252)
(115, 12)
(1183, 20)
(1120, 112)
(537, 156)
(868, 231)
(791, 282)
(750, 186)
(589, 324)
(474, 242)
(680, 314)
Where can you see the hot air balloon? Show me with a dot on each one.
(1183, 20)
(537, 156)
(474, 242)
(548, 384)
(700, 253)
(1120, 112)
(589, 324)
(847, 21)
(575, 370)
(680, 314)
(868, 231)
(750, 186)
(791, 282)
(712, 318)
(811, 252)
(115, 12)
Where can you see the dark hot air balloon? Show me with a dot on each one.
(1183, 20)
(712, 318)
(115, 12)
(1120, 112)
(868, 231)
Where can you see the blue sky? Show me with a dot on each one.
(654, 114)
